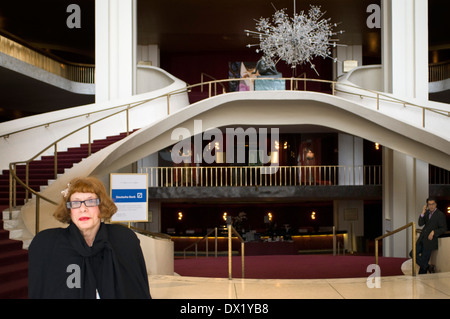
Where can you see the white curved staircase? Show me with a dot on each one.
(400, 129)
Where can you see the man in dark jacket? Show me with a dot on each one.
(435, 224)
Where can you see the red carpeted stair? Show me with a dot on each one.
(14, 259)
(13, 266)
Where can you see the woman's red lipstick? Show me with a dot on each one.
(82, 219)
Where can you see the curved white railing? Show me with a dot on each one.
(363, 86)
(369, 77)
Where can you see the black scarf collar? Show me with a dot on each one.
(99, 269)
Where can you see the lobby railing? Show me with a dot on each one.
(231, 231)
(77, 72)
(206, 237)
(236, 176)
(413, 240)
(439, 176)
(439, 71)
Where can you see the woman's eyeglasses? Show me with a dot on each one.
(88, 203)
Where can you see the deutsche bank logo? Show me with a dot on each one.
(129, 195)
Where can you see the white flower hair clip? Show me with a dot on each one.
(65, 192)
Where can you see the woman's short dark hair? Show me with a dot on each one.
(107, 206)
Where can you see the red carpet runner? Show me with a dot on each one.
(289, 266)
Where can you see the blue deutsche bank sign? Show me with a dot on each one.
(129, 195)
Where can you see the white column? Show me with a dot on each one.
(405, 47)
(115, 49)
(405, 71)
(405, 189)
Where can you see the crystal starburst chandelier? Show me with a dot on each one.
(295, 40)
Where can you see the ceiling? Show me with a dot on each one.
(199, 25)
(187, 25)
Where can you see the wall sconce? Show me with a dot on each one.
(269, 215)
(377, 146)
(180, 215)
(448, 210)
(224, 216)
(313, 215)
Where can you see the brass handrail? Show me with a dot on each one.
(413, 233)
(209, 86)
(232, 230)
(15, 178)
(395, 100)
(201, 239)
(377, 95)
(291, 80)
(88, 114)
(13, 166)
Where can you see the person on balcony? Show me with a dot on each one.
(435, 224)
(88, 259)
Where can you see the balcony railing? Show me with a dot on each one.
(241, 176)
(439, 71)
(77, 72)
(439, 176)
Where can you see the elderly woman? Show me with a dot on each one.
(88, 259)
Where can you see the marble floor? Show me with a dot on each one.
(429, 286)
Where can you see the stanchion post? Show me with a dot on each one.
(229, 252)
